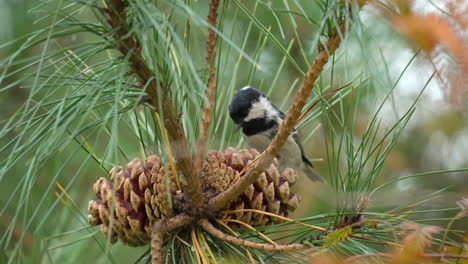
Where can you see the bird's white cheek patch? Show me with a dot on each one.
(259, 108)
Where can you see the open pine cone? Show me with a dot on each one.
(141, 195)
(269, 193)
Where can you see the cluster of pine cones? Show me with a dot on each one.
(143, 191)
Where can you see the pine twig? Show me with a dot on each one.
(116, 17)
(161, 228)
(211, 69)
(157, 240)
(251, 228)
(210, 228)
(247, 251)
(231, 193)
(211, 85)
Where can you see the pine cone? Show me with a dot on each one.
(270, 193)
(140, 197)
(142, 194)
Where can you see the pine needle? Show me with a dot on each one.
(272, 215)
(169, 151)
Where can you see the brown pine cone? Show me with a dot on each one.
(270, 193)
(140, 197)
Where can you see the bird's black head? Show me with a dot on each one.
(242, 102)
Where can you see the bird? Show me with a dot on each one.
(254, 113)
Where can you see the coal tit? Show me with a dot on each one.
(259, 119)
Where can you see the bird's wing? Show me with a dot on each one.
(297, 140)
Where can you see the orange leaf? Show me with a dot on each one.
(416, 241)
(427, 31)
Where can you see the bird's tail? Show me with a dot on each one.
(311, 174)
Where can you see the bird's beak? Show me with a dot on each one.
(236, 127)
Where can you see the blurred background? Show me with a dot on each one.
(383, 51)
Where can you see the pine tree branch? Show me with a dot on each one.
(157, 240)
(163, 227)
(223, 199)
(211, 68)
(210, 228)
(211, 86)
(116, 16)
